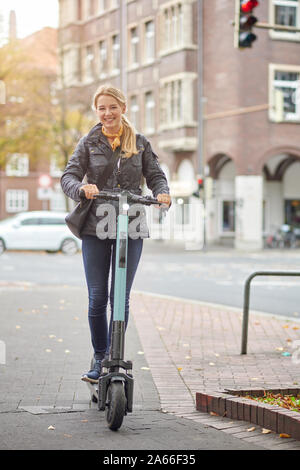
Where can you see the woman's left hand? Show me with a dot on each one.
(164, 198)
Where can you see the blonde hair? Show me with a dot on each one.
(128, 139)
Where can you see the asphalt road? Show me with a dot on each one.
(216, 275)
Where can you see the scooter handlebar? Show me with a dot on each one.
(131, 197)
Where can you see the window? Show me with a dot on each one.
(16, 200)
(51, 221)
(149, 112)
(90, 8)
(134, 111)
(115, 53)
(33, 221)
(171, 103)
(285, 93)
(17, 165)
(103, 59)
(55, 170)
(102, 5)
(89, 63)
(172, 24)
(285, 12)
(134, 47)
(71, 66)
(149, 50)
(228, 216)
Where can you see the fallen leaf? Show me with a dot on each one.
(67, 351)
(145, 368)
(279, 349)
(295, 327)
(285, 326)
(251, 429)
(60, 340)
(84, 420)
(52, 336)
(212, 413)
(51, 428)
(48, 350)
(265, 431)
(141, 352)
(284, 435)
(67, 435)
(18, 327)
(179, 368)
(211, 363)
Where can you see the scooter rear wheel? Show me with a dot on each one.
(116, 405)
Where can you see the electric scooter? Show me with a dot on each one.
(114, 391)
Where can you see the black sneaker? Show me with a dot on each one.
(93, 375)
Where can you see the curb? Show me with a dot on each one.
(231, 404)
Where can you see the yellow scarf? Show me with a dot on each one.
(116, 143)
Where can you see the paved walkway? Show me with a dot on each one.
(192, 347)
(186, 346)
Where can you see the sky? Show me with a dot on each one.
(32, 15)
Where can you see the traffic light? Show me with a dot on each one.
(200, 182)
(244, 22)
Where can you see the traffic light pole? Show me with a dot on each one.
(201, 164)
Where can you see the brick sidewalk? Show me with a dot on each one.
(195, 347)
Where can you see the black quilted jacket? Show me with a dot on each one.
(91, 157)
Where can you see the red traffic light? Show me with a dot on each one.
(247, 6)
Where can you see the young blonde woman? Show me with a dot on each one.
(90, 158)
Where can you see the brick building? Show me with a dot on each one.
(251, 104)
(20, 177)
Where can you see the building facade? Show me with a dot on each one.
(149, 48)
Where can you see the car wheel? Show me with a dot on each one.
(2, 246)
(69, 247)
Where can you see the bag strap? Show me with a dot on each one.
(109, 168)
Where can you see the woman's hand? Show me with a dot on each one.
(89, 190)
(164, 198)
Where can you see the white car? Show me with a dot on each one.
(38, 230)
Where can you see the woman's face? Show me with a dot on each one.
(109, 112)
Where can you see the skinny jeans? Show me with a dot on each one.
(99, 262)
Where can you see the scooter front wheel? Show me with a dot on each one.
(116, 405)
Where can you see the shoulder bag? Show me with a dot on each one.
(75, 220)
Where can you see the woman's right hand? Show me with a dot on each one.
(89, 190)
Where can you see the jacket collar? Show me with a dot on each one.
(96, 137)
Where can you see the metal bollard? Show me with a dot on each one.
(247, 300)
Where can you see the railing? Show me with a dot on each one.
(247, 300)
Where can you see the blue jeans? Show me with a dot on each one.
(98, 257)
